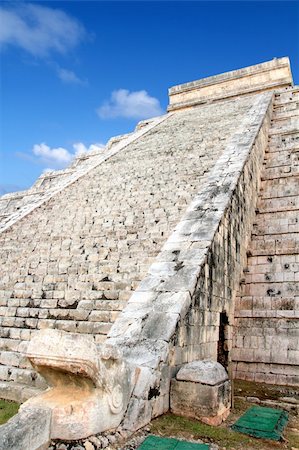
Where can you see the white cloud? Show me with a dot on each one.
(80, 148)
(136, 104)
(39, 29)
(58, 158)
(68, 76)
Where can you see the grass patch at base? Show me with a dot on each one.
(7, 410)
(176, 425)
(171, 425)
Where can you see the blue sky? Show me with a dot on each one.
(75, 73)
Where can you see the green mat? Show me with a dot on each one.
(156, 442)
(267, 423)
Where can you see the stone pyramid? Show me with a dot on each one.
(177, 242)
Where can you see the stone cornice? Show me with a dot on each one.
(270, 75)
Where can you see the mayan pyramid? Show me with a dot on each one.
(174, 243)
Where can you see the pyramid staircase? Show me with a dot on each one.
(267, 308)
(16, 205)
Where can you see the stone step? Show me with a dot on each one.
(281, 158)
(271, 328)
(275, 375)
(278, 289)
(281, 244)
(281, 238)
(49, 307)
(284, 139)
(276, 223)
(276, 228)
(10, 373)
(13, 326)
(273, 148)
(272, 276)
(284, 114)
(269, 260)
(36, 314)
(272, 263)
(288, 96)
(285, 120)
(257, 348)
(285, 109)
(285, 129)
(17, 392)
(266, 303)
(274, 313)
(279, 188)
(272, 173)
(280, 203)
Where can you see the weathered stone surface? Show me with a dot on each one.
(185, 185)
(105, 235)
(196, 333)
(91, 386)
(267, 306)
(29, 429)
(208, 401)
(269, 75)
(204, 372)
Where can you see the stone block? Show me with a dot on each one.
(138, 415)
(201, 391)
(29, 429)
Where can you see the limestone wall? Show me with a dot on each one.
(74, 259)
(266, 343)
(174, 315)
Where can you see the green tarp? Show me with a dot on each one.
(267, 423)
(159, 443)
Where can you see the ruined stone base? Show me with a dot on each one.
(201, 391)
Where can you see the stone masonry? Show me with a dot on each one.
(17, 205)
(186, 301)
(80, 255)
(143, 246)
(267, 309)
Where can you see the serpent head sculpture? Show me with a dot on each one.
(90, 385)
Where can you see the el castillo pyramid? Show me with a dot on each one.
(175, 243)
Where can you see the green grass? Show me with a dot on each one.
(171, 425)
(7, 410)
(175, 425)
